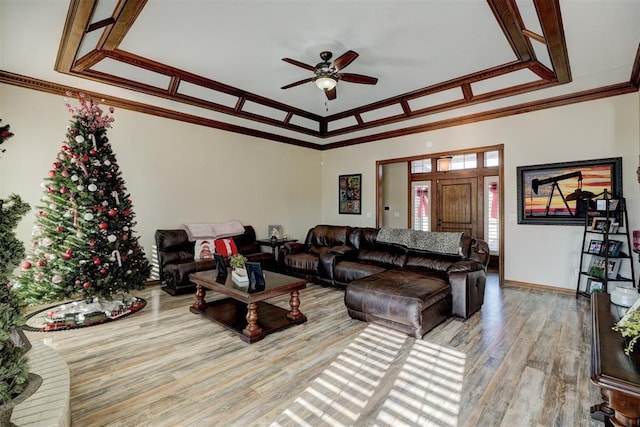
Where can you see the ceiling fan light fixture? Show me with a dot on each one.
(325, 81)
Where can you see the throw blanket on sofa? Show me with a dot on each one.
(213, 231)
(447, 243)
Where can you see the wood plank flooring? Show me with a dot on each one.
(522, 361)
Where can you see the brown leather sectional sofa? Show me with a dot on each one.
(411, 289)
(176, 257)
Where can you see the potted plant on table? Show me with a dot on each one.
(237, 263)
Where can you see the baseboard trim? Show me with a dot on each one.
(516, 284)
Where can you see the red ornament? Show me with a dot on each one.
(65, 173)
(112, 212)
(103, 226)
(76, 155)
(93, 152)
(52, 173)
(126, 212)
(63, 190)
(86, 285)
(59, 228)
(92, 243)
(26, 265)
(42, 213)
(40, 263)
(96, 261)
(66, 256)
(103, 271)
(85, 158)
(56, 165)
(50, 190)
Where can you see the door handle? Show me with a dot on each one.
(439, 222)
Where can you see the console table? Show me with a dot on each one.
(617, 374)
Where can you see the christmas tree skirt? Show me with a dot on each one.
(80, 313)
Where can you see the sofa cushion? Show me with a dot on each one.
(347, 271)
(431, 262)
(203, 250)
(302, 263)
(226, 247)
(329, 235)
(175, 257)
(180, 271)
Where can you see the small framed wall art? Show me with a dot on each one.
(349, 194)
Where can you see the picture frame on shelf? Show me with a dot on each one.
(601, 224)
(597, 267)
(613, 204)
(594, 285)
(613, 248)
(595, 247)
(614, 227)
(613, 266)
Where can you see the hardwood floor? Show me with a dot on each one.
(522, 361)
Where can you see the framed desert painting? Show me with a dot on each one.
(561, 193)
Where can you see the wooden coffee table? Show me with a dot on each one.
(247, 314)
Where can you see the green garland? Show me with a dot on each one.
(630, 328)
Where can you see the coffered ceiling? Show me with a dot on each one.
(219, 63)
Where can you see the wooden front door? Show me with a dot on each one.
(457, 206)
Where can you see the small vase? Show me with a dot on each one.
(6, 410)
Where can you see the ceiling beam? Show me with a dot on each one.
(125, 14)
(551, 22)
(78, 20)
(508, 17)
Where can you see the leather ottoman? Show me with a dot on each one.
(400, 299)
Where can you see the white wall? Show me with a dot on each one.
(176, 172)
(543, 255)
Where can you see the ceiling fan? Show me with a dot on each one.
(328, 73)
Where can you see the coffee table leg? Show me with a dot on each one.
(200, 303)
(294, 302)
(252, 328)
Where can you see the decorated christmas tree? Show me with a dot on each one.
(84, 244)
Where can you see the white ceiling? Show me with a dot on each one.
(407, 45)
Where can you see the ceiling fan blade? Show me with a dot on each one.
(345, 59)
(299, 64)
(357, 78)
(310, 79)
(331, 93)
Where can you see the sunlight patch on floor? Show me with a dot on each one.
(383, 378)
(427, 390)
(340, 394)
